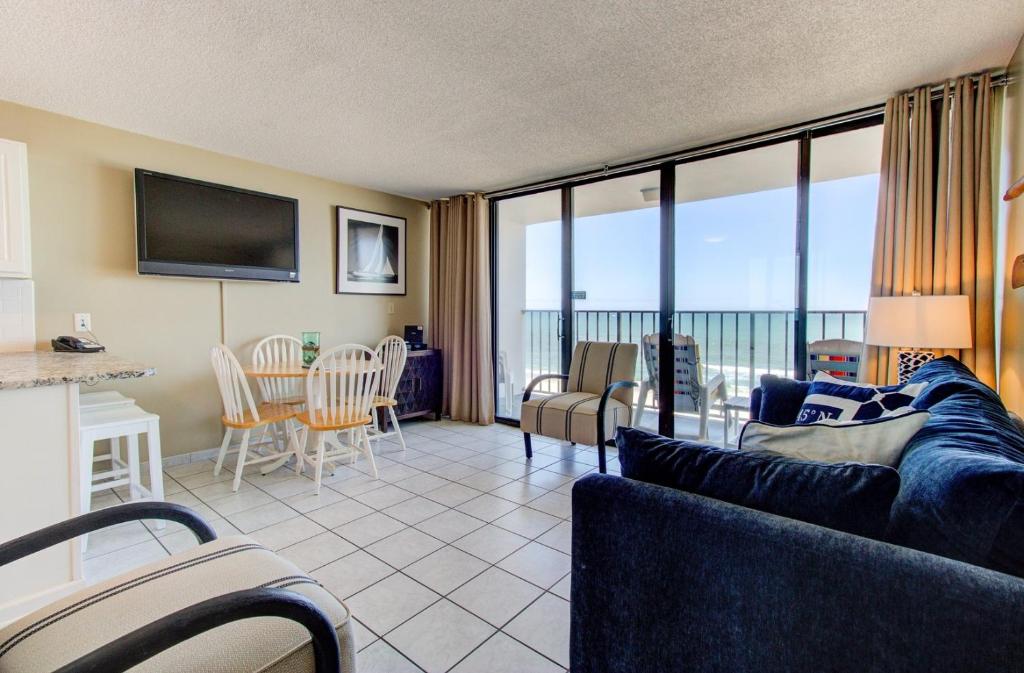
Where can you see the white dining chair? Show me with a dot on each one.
(392, 353)
(341, 386)
(242, 413)
(279, 350)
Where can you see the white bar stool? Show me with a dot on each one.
(103, 400)
(113, 423)
(106, 400)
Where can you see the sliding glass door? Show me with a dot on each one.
(615, 289)
(841, 232)
(727, 267)
(528, 292)
(735, 279)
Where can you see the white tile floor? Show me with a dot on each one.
(456, 559)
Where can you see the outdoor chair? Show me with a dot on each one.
(840, 358)
(690, 394)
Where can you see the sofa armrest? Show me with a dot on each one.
(665, 580)
(755, 404)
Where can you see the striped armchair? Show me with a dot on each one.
(595, 398)
(205, 609)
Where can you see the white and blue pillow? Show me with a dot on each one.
(830, 400)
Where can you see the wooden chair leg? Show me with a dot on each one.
(320, 450)
(394, 423)
(299, 438)
(369, 450)
(223, 451)
(243, 448)
(529, 446)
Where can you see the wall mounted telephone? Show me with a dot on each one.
(70, 344)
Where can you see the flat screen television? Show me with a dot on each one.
(192, 228)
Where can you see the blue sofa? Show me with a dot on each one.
(664, 580)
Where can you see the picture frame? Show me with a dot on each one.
(371, 255)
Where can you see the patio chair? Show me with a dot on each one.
(690, 393)
(215, 607)
(595, 398)
(840, 358)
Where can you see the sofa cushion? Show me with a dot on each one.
(849, 497)
(830, 399)
(80, 623)
(880, 441)
(781, 399)
(962, 475)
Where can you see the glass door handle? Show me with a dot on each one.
(559, 334)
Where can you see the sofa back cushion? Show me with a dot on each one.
(850, 497)
(962, 474)
(781, 399)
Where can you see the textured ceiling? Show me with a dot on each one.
(434, 98)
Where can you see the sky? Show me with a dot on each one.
(735, 253)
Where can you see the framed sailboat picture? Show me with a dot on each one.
(371, 252)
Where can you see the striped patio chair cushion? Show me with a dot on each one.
(572, 417)
(82, 622)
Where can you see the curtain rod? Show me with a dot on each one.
(999, 78)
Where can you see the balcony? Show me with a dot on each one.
(741, 345)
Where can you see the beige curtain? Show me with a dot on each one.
(460, 305)
(934, 225)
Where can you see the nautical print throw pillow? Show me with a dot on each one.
(830, 400)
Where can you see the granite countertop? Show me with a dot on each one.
(33, 369)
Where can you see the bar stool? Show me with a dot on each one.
(113, 423)
(106, 400)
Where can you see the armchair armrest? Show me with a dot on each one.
(543, 377)
(104, 518)
(152, 639)
(716, 386)
(602, 466)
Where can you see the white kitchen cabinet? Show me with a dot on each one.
(15, 253)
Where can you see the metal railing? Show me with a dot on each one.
(742, 345)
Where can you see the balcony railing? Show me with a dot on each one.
(742, 345)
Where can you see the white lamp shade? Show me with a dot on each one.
(933, 321)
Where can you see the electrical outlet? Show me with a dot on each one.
(391, 308)
(83, 322)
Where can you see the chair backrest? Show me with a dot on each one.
(283, 350)
(235, 394)
(392, 353)
(687, 372)
(840, 358)
(596, 364)
(342, 383)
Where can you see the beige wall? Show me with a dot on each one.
(1011, 385)
(83, 260)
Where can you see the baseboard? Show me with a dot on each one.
(193, 457)
(12, 610)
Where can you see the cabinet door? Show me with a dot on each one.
(15, 260)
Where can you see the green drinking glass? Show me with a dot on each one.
(310, 348)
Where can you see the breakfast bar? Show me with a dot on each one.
(39, 445)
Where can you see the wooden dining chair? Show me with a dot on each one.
(242, 413)
(392, 353)
(279, 350)
(340, 387)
